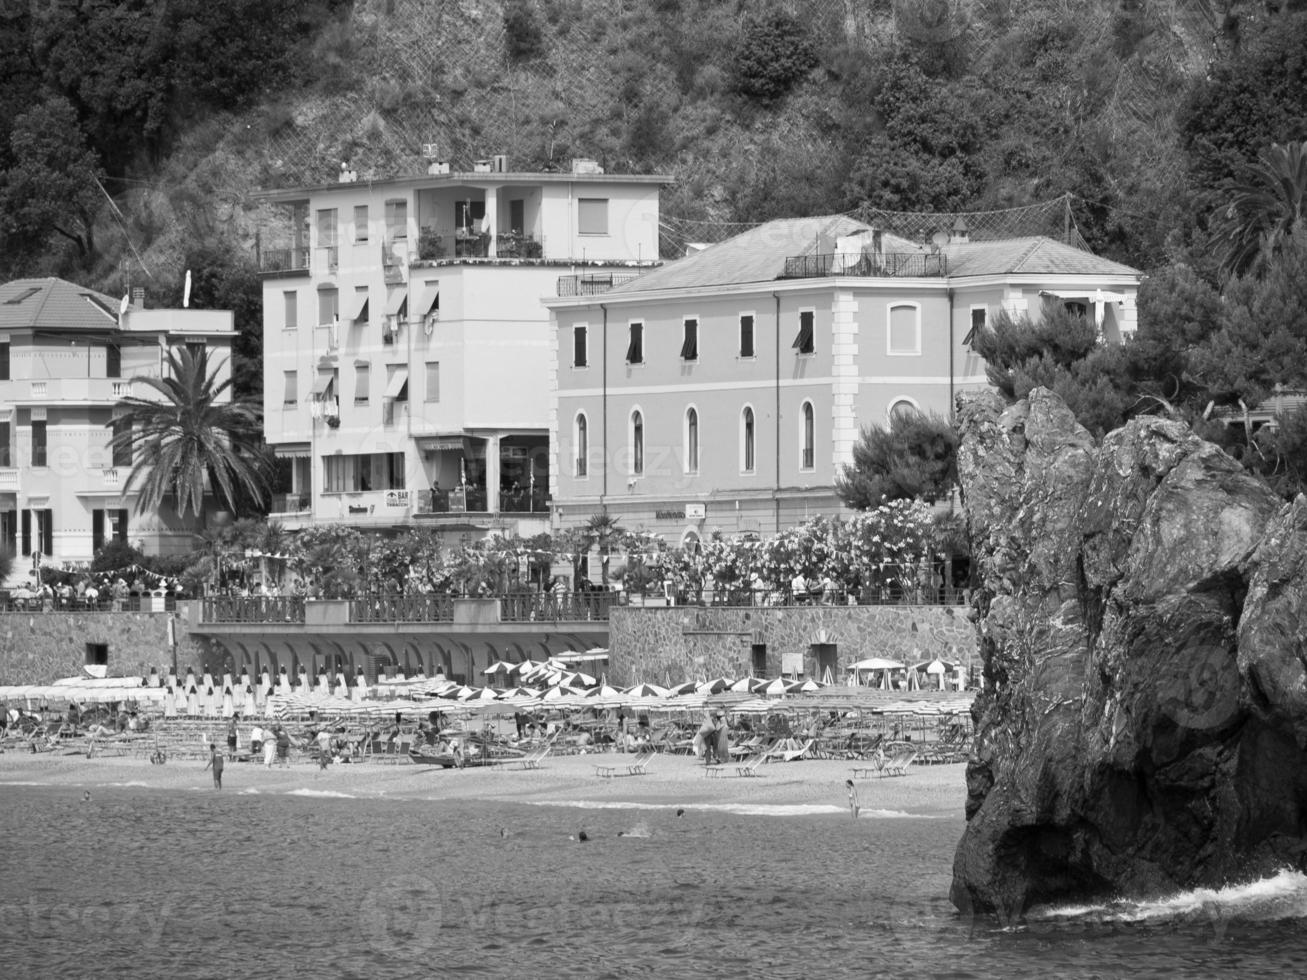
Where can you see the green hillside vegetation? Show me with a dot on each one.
(132, 134)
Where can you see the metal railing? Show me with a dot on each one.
(593, 283)
(133, 603)
(536, 607)
(252, 609)
(885, 264)
(284, 259)
(432, 608)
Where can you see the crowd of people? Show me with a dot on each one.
(102, 592)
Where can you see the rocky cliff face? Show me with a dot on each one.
(1143, 619)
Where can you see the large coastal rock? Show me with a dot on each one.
(1143, 617)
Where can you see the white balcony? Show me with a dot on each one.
(110, 477)
(8, 480)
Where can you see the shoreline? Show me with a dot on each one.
(812, 785)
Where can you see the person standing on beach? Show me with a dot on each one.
(231, 740)
(269, 750)
(216, 763)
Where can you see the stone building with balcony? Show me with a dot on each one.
(406, 348)
(724, 391)
(68, 356)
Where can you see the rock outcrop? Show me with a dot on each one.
(1143, 618)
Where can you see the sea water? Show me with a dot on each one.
(192, 884)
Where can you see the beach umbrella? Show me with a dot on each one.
(780, 686)
(689, 687)
(716, 686)
(250, 707)
(483, 696)
(577, 679)
(646, 691)
(810, 685)
(938, 668)
(500, 666)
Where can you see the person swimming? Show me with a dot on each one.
(86, 796)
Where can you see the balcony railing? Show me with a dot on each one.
(290, 503)
(886, 264)
(593, 283)
(537, 607)
(467, 246)
(284, 260)
(253, 609)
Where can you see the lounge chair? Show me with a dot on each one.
(639, 766)
(792, 754)
(896, 764)
(536, 756)
(750, 765)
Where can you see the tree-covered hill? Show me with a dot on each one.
(132, 133)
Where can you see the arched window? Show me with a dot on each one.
(808, 437)
(581, 444)
(637, 443)
(746, 440)
(903, 408)
(691, 440)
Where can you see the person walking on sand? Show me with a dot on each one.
(216, 762)
(853, 799)
(269, 749)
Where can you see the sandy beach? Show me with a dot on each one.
(672, 780)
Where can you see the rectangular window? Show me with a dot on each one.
(579, 346)
(394, 471)
(635, 346)
(804, 343)
(113, 361)
(4, 361)
(6, 458)
(517, 216)
(904, 333)
(38, 442)
(746, 335)
(115, 521)
(360, 222)
(291, 393)
(9, 530)
(361, 375)
(396, 220)
(38, 530)
(690, 340)
(290, 300)
(121, 446)
(359, 311)
(592, 216)
(46, 520)
(326, 227)
(328, 306)
(433, 381)
(26, 534)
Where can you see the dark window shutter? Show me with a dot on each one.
(121, 530)
(690, 345)
(97, 530)
(113, 361)
(578, 346)
(4, 362)
(4, 445)
(803, 343)
(746, 336)
(27, 532)
(635, 349)
(47, 532)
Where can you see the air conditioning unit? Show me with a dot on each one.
(500, 163)
(430, 151)
(481, 167)
(439, 168)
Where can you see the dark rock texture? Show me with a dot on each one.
(1143, 621)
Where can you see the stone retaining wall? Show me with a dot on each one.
(37, 647)
(693, 642)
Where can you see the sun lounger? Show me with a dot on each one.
(605, 772)
(793, 754)
(639, 766)
(896, 764)
(751, 764)
(533, 758)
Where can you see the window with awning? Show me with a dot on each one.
(358, 311)
(397, 384)
(324, 383)
(429, 299)
(397, 302)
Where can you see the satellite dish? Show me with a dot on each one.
(939, 239)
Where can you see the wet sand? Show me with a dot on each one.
(672, 780)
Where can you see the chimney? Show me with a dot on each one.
(960, 234)
(138, 297)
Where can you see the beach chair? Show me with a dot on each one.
(536, 756)
(750, 765)
(792, 754)
(639, 766)
(896, 764)
(605, 772)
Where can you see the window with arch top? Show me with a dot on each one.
(691, 440)
(809, 432)
(747, 426)
(581, 444)
(637, 443)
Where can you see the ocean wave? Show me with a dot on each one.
(1281, 896)
(739, 809)
(321, 792)
(132, 783)
(24, 782)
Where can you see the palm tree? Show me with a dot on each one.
(1263, 209)
(186, 437)
(603, 531)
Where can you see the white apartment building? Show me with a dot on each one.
(407, 353)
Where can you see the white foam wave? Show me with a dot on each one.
(23, 782)
(130, 783)
(321, 792)
(1281, 896)
(740, 809)
(251, 791)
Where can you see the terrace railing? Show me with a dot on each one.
(284, 260)
(885, 264)
(593, 283)
(535, 607)
(432, 608)
(252, 609)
